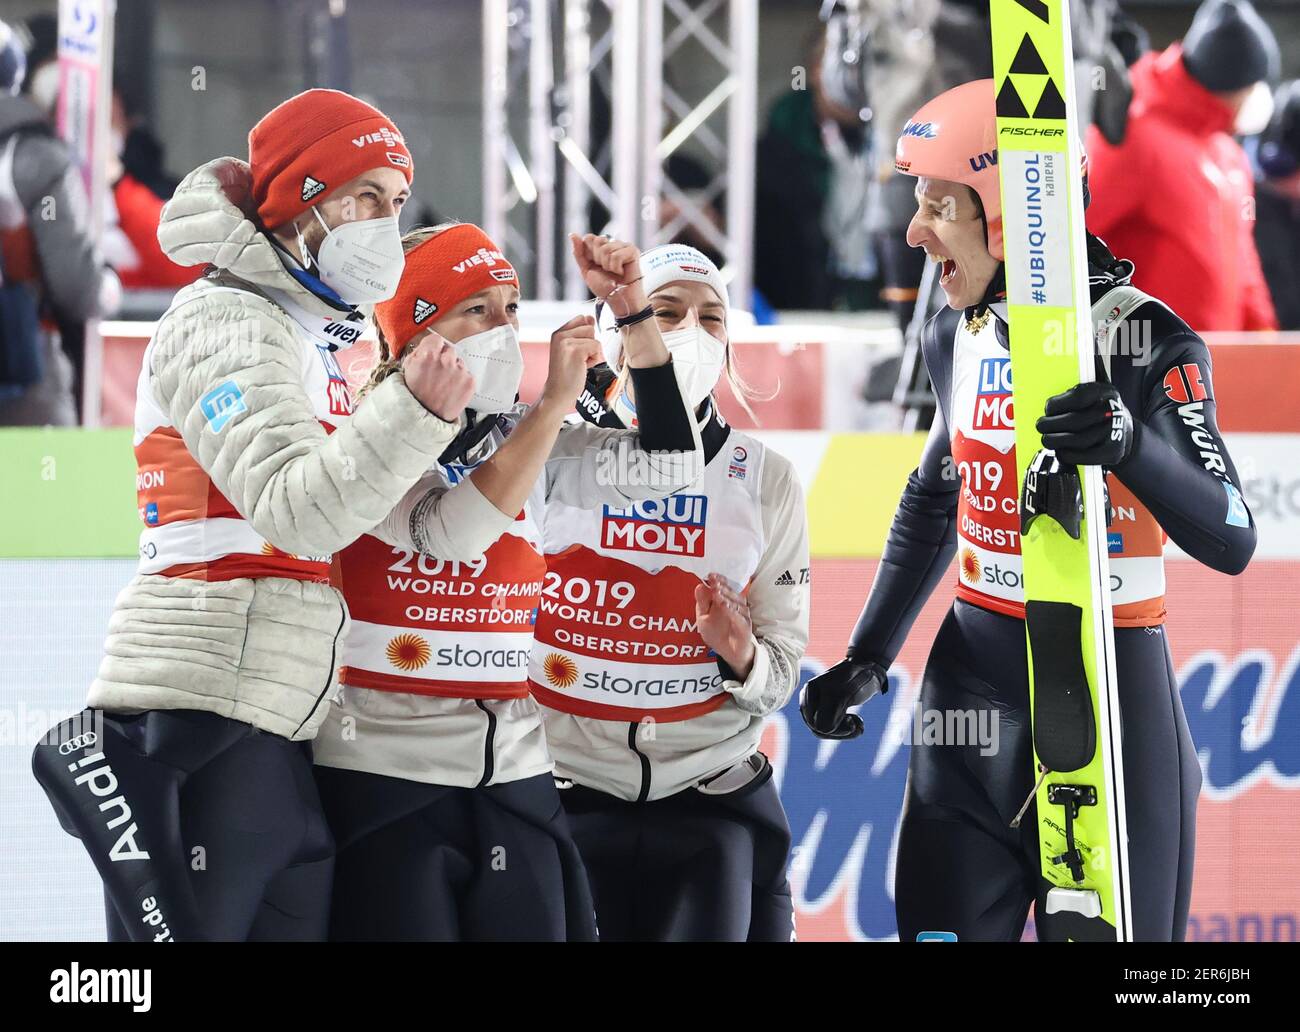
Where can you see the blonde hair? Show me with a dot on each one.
(386, 364)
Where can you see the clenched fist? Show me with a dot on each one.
(574, 350)
(1088, 425)
(437, 377)
(825, 700)
(612, 270)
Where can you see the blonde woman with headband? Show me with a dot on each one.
(433, 766)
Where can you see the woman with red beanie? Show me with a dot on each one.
(433, 766)
(222, 652)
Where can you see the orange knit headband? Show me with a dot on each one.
(440, 273)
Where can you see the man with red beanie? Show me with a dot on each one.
(1177, 195)
(221, 652)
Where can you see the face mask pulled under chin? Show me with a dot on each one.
(360, 261)
(496, 362)
(698, 360)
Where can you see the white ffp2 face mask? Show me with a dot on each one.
(361, 261)
(1255, 112)
(496, 362)
(44, 87)
(698, 361)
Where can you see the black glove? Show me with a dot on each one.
(825, 699)
(1088, 425)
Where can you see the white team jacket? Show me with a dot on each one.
(259, 650)
(654, 759)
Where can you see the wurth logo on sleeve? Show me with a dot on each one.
(1185, 385)
(672, 525)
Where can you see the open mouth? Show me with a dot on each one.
(947, 267)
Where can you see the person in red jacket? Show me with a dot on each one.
(141, 265)
(1177, 195)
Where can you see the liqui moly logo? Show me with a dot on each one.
(336, 390)
(670, 526)
(993, 409)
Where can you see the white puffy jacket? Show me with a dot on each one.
(262, 650)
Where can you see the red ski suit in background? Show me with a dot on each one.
(1177, 197)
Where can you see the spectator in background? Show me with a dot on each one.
(139, 147)
(135, 253)
(46, 246)
(40, 39)
(812, 162)
(1277, 211)
(1177, 194)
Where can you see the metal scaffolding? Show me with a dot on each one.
(572, 60)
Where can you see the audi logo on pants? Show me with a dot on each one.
(82, 741)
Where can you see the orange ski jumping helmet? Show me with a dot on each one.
(955, 138)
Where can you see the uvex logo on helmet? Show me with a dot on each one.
(388, 137)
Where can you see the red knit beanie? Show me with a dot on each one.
(312, 144)
(440, 273)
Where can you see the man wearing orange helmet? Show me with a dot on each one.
(1149, 420)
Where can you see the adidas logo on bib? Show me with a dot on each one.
(311, 187)
(423, 309)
